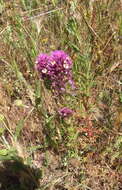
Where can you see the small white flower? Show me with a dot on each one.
(66, 66)
(53, 63)
(44, 70)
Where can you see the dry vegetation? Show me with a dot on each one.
(38, 149)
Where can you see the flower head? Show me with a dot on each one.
(55, 68)
(65, 112)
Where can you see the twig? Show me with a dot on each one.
(42, 14)
(108, 41)
(89, 26)
(4, 61)
(3, 30)
(33, 10)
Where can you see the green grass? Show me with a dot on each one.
(84, 151)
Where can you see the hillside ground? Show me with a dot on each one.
(39, 150)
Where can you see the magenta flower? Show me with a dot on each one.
(41, 64)
(56, 69)
(62, 59)
(65, 112)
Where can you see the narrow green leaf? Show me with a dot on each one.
(19, 128)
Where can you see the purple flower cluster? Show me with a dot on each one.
(65, 112)
(56, 69)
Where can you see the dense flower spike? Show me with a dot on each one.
(56, 69)
(65, 112)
